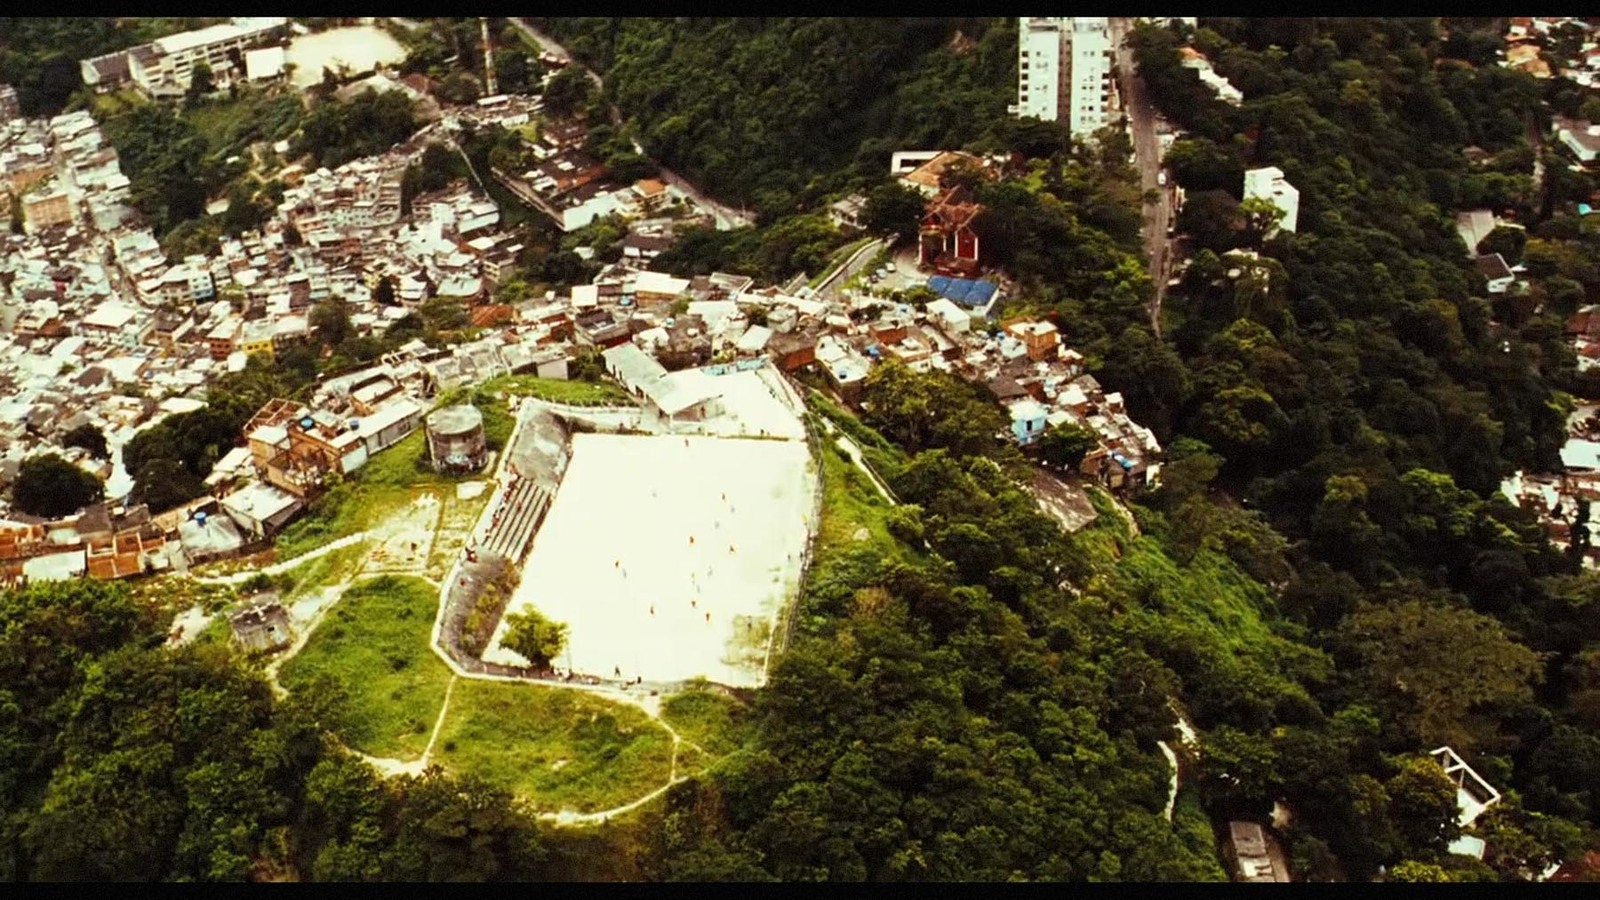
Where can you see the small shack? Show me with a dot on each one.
(262, 626)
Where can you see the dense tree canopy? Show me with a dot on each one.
(51, 487)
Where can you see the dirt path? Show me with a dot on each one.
(438, 724)
(849, 446)
(287, 564)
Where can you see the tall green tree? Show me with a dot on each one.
(49, 486)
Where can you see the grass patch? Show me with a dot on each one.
(717, 722)
(324, 571)
(172, 594)
(455, 526)
(885, 457)
(217, 631)
(557, 748)
(579, 393)
(403, 465)
(341, 512)
(231, 125)
(498, 422)
(850, 503)
(374, 642)
(104, 106)
(1210, 593)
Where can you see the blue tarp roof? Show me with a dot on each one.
(965, 291)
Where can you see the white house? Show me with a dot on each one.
(1028, 420)
(1581, 137)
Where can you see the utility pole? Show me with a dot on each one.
(489, 80)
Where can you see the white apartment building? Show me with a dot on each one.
(166, 65)
(1039, 70)
(1268, 184)
(1090, 76)
(1064, 71)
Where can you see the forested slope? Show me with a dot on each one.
(771, 112)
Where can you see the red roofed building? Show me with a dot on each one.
(947, 241)
(494, 314)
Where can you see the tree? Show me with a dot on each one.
(459, 88)
(243, 212)
(513, 72)
(1422, 807)
(1414, 872)
(383, 294)
(1212, 219)
(1431, 665)
(460, 829)
(51, 487)
(165, 483)
(536, 638)
(330, 319)
(1508, 242)
(569, 90)
(893, 208)
(1261, 218)
(628, 167)
(1066, 445)
(200, 84)
(89, 437)
(1200, 165)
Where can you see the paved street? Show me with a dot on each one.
(1147, 151)
(829, 291)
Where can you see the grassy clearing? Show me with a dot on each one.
(343, 511)
(718, 723)
(581, 393)
(325, 571)
(374, 642)
(557, 748)
(217, 631)
(1210, 593)
(851, 503)
(103, 106)
(172, 594)
(230, 125)
(498, 422)
(884, 457)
